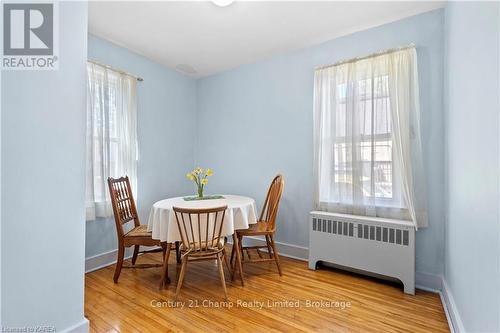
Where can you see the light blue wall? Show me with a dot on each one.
(166, 114)
(256, 120)
(43, 188)
(472, 256)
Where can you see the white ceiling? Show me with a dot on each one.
(204, 39)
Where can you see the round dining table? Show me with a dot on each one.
(240, 214)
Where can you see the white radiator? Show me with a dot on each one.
(377, 245)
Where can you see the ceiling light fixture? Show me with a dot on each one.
(222, 3)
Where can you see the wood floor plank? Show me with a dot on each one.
(135, 304)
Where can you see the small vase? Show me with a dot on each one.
(200, 192)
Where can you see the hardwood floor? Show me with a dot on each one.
(345, 302)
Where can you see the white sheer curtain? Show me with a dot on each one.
(111, 135)
(367, 157)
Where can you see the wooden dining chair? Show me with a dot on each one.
(265, 226)
(125, 212)
(200, 231)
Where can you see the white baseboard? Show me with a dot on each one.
(428, 282)
(284, 249)
(81, 327)
(109, 258)
(437, 283)
(452, 314)
(424, 281)
(104, 259)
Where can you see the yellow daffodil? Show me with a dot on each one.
(199, 177)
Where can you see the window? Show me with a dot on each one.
(372, 161)
(111, 135)
(364, 112)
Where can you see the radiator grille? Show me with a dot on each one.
(364, 231)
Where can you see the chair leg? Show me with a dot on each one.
(242, 253)
(136, 253)
(232, 256)
(238, 259)
(269, 250)
(224, 254)
(181, 277)
(248, 254)
(164, 271)
(119, 262)
(275, 254)
(178, 252)
(221, 273)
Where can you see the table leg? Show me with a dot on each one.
(238, 257)
(164, 272)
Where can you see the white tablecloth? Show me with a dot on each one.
(239, 215)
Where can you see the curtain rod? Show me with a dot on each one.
(140, 79)
(367, 56)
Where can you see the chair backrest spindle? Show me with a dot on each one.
(123, 203)
(205, 234)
